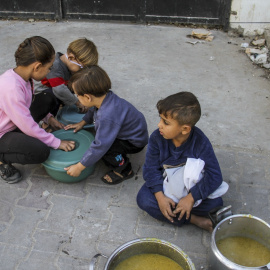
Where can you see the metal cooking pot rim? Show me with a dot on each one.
(153, 240)
(219, 254)
(238, 215)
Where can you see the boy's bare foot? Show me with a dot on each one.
(202, 222)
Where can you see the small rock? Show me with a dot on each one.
(45, 193)
(259, 42)
(244, 45)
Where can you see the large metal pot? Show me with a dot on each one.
(143, 246)
(243, 226)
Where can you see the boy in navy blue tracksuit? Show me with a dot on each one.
(120, 128)
(176, 140)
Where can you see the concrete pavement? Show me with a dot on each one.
(48, 225)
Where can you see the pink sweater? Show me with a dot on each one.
(15, 101)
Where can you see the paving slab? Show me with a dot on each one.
(45, 224)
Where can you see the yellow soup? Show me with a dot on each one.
(244, 251)
(148, 262)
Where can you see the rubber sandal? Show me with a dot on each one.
(219, 213)
(116, 179)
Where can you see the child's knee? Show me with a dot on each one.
(143, 198)
(146, 199)
(42, 154)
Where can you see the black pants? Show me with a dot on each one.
(44, 103)
(17, 147)
(116, 157)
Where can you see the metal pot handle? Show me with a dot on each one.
(219, 213)
(266, 267)
(94, 260)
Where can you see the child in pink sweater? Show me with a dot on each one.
(21, 139)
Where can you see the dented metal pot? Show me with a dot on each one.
(243, 226)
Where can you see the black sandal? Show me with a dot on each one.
(117, 179)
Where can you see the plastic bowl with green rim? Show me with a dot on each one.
(59, 159)
(70, 115)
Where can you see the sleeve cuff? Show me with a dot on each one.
(47, 117)
(156, 188)
(195, 193)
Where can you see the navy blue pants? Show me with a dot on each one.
(147, 201)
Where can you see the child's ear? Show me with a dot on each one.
(186, 129)
(37, 66)
(88, 97)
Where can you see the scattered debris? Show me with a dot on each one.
(259, 42)
(45, 193)
(195, 42)
(250, 51)
(259, 58)
(64, 251)
(244, 45)
(229, 42)
(202, 34)
(257, 51)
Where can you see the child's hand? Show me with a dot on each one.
(82, 109)
(55, 124)
(75, 170)
(184, 206)
(67, 145)
(77, 126)
(165, 205)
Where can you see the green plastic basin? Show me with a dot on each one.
(70, 115)
(59, 159)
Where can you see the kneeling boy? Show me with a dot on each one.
(120, 128)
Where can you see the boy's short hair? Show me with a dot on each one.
(183, 107)
(91, 80)
(85, 51)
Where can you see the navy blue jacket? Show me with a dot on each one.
(163, 152)
(115, 119)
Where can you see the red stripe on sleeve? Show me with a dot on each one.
(54, 82)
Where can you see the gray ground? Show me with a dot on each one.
(48, 225)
